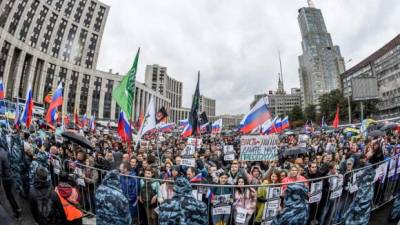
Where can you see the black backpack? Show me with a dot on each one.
(44, 206)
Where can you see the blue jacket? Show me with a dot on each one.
(112, 207)
(130, 187)
(296, 206)
(360, 209)
(183, 208)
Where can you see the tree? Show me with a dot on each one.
(328, 104)
(296, 117)
(310, 112)
(296, 114)
(369, 110)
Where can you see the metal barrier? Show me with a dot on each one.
(329, 197)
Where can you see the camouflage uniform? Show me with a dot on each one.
(360, 209)
(17, 163)
(183, 208)
(112, 207)
(296, 206)
(395, 214)
(40, 160)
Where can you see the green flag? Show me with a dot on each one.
(125, 92)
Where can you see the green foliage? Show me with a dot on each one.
(310, 113)
(296, 114)
(328, 104)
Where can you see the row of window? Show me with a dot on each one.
(49, 28)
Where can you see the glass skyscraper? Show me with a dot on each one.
(321, 62)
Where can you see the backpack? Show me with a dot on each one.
(44, 206)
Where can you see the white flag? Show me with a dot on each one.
(149, 120)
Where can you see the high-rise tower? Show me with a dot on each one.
(321, 62)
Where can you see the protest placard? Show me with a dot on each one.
(228, 148)
(188, 162)
(195, 142)
(259, 148)
(189, 150)
(303, 139)
(380, 172)
(222, 210)
(315, 192)
(274, 193)
(240, 215)
(336, 186)
(229, 153)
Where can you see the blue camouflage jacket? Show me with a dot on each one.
(183, 208)
(112, 206)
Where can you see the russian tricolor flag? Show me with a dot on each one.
(56, 101)
(187, 131)
(273, 129)
(26, 116)
(84, 120)
(197, 178)
(278, 125)
(285, 123)
(266, 127)
(168, 127)
(124, 128)
(256, 117)
(183, 123)
(216, 127)
(92, 123)
(1, 90)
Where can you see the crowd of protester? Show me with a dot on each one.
(63, 182)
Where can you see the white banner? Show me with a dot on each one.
(259, 148)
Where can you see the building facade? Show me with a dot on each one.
(228, 121)
(321, 63)
(280, 103)
(47, 42)
(384, 65)
(179, 114)
(157, 78)
(207, 105)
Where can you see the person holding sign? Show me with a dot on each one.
(221, 201)
(262, 193)
(244, 202)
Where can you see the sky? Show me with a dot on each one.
(235, 43)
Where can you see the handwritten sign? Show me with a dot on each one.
(259, 148)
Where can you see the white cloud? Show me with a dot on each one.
(235, 42)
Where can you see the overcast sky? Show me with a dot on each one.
(235, 43)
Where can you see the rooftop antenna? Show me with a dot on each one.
(310, 4)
